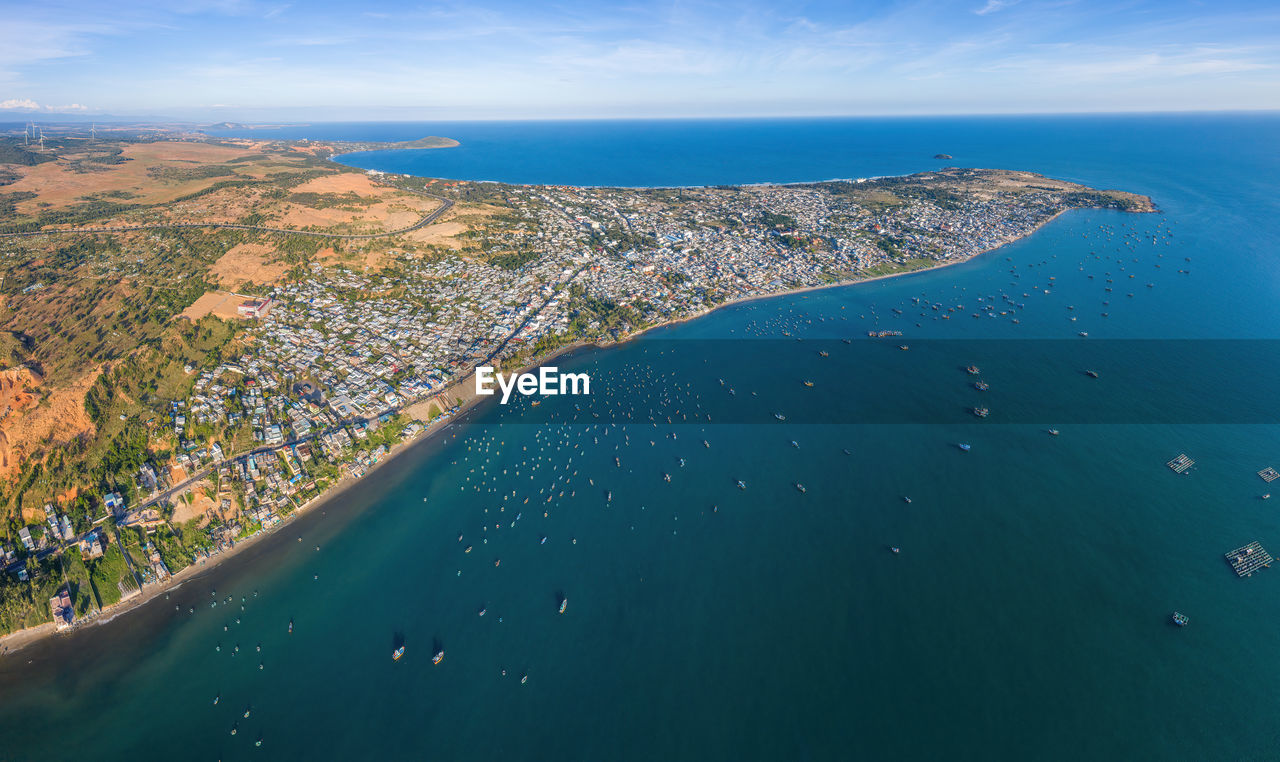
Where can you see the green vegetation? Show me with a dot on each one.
(172, 174)
(778, 221)
(514, 260)
(350, 201)
(108, 573)
(12, 151)
(26, 604)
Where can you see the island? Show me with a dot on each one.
(943, 156)
(202, 337)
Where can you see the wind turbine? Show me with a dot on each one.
(93, 131)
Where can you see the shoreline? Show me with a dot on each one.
(461, 393)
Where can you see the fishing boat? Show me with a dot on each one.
(216, 699)
(706, 444)
(1053, 432)
(963, 446)
(564, 603)
(906, 499)
(973, 370)
(895, 549)
(1182, 620)
(800, 487)
(981, 386)
(290, 625)
(439, 657)
(246, 714)
(808, 383)
(780, 416)
(981, 412)
(1091, 373)
(666, 477)
(823, 353)
(742, 484)
(903, 347)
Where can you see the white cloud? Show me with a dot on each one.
(995, 5)
(26, 104)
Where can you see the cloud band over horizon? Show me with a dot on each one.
(263, 60)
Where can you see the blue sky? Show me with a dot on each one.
(264, 60)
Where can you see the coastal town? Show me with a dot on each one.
(326, 371)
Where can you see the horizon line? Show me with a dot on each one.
(51, 118)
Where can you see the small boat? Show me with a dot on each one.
(823, 353)
(246, 714)
(467, 549)
(906, 499)
(682, 462)
(1053, 432)
(666, 477)
(981, 386)
(780, 416)
(216, 699)
(1084, 334)
(1266, 496)
(895, 549)
(564, 603)
(1182, 620)
(981, 412)
(903, 347)
(795, 444)
(524, 679)
(439, 657)
(963, 446)
(973, 370)
(290, 625)
(706, 444)
(742, 484)
(808, 383)
(800, 487)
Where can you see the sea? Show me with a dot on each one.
(714, 610)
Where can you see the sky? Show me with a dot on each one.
(276, 60)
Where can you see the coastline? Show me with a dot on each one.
(463, 398)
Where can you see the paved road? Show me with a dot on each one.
(426, 220)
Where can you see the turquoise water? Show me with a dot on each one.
(1026, 614)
